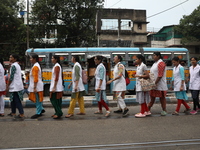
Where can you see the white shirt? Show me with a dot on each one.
(119, 84)
(59, 86)
(140, 71)
(80, 82)
(162, 84)
(2, 79)
(97, 76)
(177, 78)
(194, 78)
(40, 85)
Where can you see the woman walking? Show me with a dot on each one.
(15, 87)
(194, 84)
(2, 87)
(178, 82)
(159, 71)
(56, 87)
(142, 97)
(119, 85)
(100, 85)
(36, 86)
(78, 89)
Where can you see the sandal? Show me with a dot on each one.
(56, 117)
(80, 113)
(186, 110)
(20, 116)
(11, 114)
(175, 113)
(97, 112)
(107, 114)
(52, 115)
(2, 115)
(69, 115)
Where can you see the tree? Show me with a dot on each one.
(189, 27)
(12, 29)
(71, 22)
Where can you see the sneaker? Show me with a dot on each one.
(140, 115)
(147, 113)
(198, 109)
(163, 113)
(35, 116)
(193, 112)
(125, 113)
(119, 111)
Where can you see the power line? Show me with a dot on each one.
(167, 9)
(115, 3)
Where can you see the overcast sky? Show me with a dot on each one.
(170, 17)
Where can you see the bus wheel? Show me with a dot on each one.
(46, 90)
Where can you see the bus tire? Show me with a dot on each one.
(46, 90)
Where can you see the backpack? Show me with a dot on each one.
(84, 77)
(126, 77)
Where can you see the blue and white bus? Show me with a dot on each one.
(87, 61)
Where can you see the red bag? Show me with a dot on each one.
(127, 81)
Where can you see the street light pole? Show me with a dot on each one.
(27, 27)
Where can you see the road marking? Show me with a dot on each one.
(123, 146)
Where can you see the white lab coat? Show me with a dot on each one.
(2, 79)
(194, 78)
(162, 84)
(119, 84)
(59, 87)
(80, 83)
(177, 78)
(97, 76)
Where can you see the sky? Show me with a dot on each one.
(169, 17)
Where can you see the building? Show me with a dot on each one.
(167, 37)
(121, 27)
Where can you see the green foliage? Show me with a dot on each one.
(189, 27)
(72, 22)
(12, 29)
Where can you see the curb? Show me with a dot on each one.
(90, 102)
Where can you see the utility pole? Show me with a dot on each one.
(27, 27)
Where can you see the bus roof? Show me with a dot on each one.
(104, 49)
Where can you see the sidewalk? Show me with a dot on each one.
(90, 101)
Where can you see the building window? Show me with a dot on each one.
(139, 26)
(197, 50)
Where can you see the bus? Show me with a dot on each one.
(87, 55)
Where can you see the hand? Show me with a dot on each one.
(98, 90)
(181, 88)
(109, 82)
(76, 89)
(54, 90)
(69, 86)
(35, 90)
(171, 88)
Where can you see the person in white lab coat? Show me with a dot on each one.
(78, 89)
(2, 88)
(194, 84)
(142, 97)
(159, 71)
(178, 82)
(100, 85)
(119, 85)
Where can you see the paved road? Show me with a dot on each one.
(98, 132)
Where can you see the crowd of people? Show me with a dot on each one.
(34, 86)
